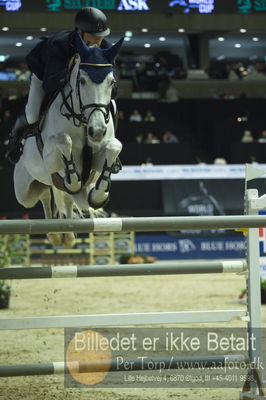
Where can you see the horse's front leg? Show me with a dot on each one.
(59, 157)
(99, 195)
(72, 179)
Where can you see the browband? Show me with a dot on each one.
(97, 65)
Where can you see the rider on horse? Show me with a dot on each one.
(48, 62)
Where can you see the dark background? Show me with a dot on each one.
(206, 129)
(146, 198)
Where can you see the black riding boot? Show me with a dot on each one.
(14, 147)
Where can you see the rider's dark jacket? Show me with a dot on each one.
(49, 59)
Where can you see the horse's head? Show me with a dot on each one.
(93, 80)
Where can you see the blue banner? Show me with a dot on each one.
(187, 247)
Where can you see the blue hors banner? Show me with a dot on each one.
(189, 247)
(176, 6)
(165, 247)
(199, 245)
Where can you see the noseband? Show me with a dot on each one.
(80, 119)
(103, 108)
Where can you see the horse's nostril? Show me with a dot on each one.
(104, 132)
(91, 131)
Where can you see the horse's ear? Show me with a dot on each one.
(113, 50)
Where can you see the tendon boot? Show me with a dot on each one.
(14, 147)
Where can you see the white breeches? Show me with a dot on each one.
(36, 95)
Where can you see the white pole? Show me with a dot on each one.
(254, 293)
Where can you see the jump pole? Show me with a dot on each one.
(132, 319)
(253, 203)
(143, 224)
(85, 271)
(54, 368)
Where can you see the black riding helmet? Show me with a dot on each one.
(93, 21)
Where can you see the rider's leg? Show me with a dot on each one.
(28, 117)
(36, 95)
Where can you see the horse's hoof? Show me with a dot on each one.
(55, 238)
(69, 240)
(74, 187)
(96, 204)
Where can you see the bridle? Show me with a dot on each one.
(79, 119)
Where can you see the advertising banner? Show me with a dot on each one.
(165, 247)
(175, 6)
(189, 247)
(203, 197)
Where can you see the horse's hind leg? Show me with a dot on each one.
(99, 195)
(54, 238)
(69, 238)
(28, 191)
(64, 209)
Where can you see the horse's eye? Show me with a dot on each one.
(113, 81)
(82, 81)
